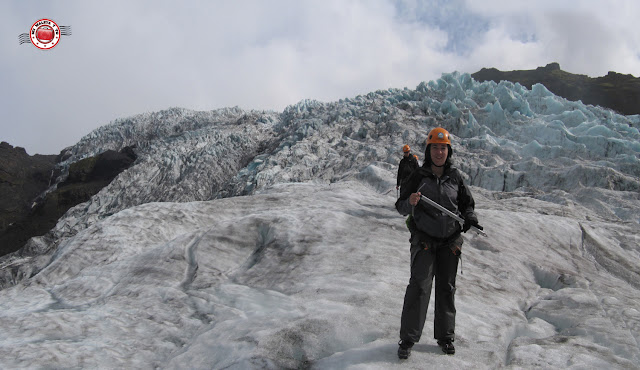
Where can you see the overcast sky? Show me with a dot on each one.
(128, 57)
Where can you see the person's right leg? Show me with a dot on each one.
(417, 295)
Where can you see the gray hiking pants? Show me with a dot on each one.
(441, 262)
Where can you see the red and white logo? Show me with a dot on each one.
(45, 34)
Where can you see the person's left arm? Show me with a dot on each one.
(466, 205)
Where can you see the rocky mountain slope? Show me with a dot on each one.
(22, 179)
(616, 91)
(32, 206)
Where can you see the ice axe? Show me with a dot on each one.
(451, 214)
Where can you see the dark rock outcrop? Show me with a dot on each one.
(615, 91)
(86, 178)
(22, 179)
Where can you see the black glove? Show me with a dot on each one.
(468, 223)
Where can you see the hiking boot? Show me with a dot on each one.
(404, 349)
(447, 346)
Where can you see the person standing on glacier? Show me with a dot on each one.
(436, 243)
(407, 165)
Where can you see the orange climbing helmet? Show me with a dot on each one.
(406, 149)
(438, 136)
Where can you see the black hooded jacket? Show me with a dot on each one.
(406, 167)
(449, 191)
